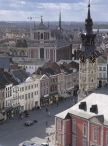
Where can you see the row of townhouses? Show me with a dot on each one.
(23, 91)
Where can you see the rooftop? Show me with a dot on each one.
(99, 98)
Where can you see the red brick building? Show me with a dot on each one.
(84, 124)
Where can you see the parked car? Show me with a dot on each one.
(44, 144)
(28, 123)
(29, 143)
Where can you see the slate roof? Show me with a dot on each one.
(102, 59)
(49, 71)
(53, 65)
(3, 80)
(63, 68)
(61, 39)
(101, 100)
(20, 75)
(10, 78)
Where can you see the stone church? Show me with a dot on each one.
(47, 43)
(88, 60)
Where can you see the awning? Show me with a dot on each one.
(1, 117)
(45, 98)
(70, 88)
(53, 93)
(64, 95)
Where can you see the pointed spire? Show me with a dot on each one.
(89, 17)
(60, 19)
(41, 19)
(88, 21)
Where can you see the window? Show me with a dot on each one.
(32, 95)
(32, 86)
(84, 129)
(29, 96)
(104, 68)
(100, 75)
(41, 35)
(106, 138)
(95, 134)
(104, 75)
(100, 68)
(74, 125)
(47, 90)
(26, 96)
(25, 87)
(28, 87)
(84, 142)
(73, 140)
(37, 84)
(59, 124)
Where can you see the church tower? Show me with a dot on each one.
(88, 60)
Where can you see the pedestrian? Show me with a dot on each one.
(49, 113)
(46, 109)
(46, 123)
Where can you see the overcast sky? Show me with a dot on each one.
(71, 10)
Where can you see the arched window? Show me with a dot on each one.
(41, 35)
(92, 80)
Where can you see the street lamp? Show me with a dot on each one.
(30, 22)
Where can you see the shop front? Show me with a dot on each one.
(16, 110)
(44, 100)
(9, 112)
(54, 96)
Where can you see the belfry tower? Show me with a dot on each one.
(88, 60)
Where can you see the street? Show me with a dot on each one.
(14, 132)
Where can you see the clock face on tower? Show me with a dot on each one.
(92, 58)
(88, 41)
(82, 58)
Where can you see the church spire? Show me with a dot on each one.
(88, 21)
(60, 19)
(41, 19)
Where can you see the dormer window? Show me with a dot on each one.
(41, 35)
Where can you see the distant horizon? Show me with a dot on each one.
(71, 10)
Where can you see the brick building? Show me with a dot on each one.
(84, 124)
